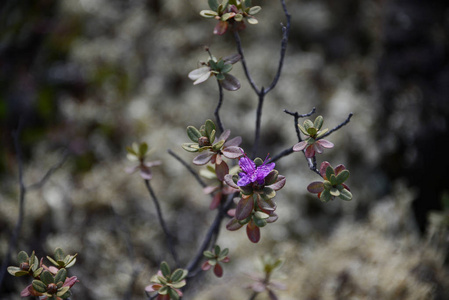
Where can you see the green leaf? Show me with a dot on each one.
(329, 171)
(191, 147)
(335, 192)
(318, 123)
(61, 275)
(260, 222)
(269, 192)
(217, 250)
(22, 257)
(252, 21)
(38, 272)
(165, 269)
(261, 215)
(345, 195)
(179, 284)
(327, 185)
(220, 76)
(238, 17)
(271, 177)
(307, 124)
(62, 291)
(208, 254)
(39, 286)
(254, 10)
(178, 275)
(59, 254)
(217, 146)
(312, 131)
(143, 148)
(224, 252)
(212, 136)
(208, 13)
(303, 130)
(325, 196)
(47, 277)
(71, 261)
(342, 176)
(163, 290)
(213, 4)
(173, 294)
(53, 261)
(322, 133)
(16, 271)
(258, 161)
(333, 179)
(209, 126)
(193, 134)
(226, 68)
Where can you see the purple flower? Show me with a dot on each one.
(251, 173)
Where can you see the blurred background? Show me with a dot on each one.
(89, 77)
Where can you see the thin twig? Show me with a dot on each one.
(258, 123)
(168, 236)
(50, 172)
(242, 59)
(121, 227)
(284, 42)
(339, 126)
(213, 230)
(296, 116)
(188, 167)
(22, 191)
(217, 110)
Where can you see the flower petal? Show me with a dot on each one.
(247, 165)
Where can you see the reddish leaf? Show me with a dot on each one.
(315, 187)
(215, 201)
(244, 208)
(221, 170)
(279, 184)
(310, 151)
(300, 146)
(202, 159)
(232, 152)
(218, 270)
(230, 182)
(325, 144)
(233, 225)
(221, 28)
(234, 142)
(323, 168)
(253, 232)
(205, 266)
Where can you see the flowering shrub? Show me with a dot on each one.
(231, 12)
(48, 282)
(245, 193)
(167, 284)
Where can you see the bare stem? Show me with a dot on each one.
(213, 230)
(348, 119)
(188, 167)
(217, 110)
(258, 123)
(168, 236)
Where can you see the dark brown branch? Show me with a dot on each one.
(242, 59)
(217, 110)
(188, 167)
(258, 123)
(284, 42)
(348, 119)
(168, 236)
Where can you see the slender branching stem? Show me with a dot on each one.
(348, 119)
(213, 230)
(284, 42)
(217, 109)
(188, 167)
(242, 59)
(258, 123)
(168, 236)
(23, 189)
(253, 295)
